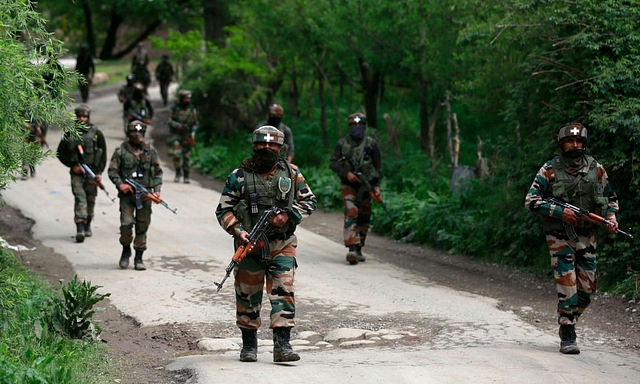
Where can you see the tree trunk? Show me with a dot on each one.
(323, 111)
(110, 40)
(393, 136)
(88, 20)
(423, 112)
(294, 93)
(370, 83)
(216, 16)
(336, 110)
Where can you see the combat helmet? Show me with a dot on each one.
(357, 119)
(276, 110)
(137, 126)
(82, 110)
(268, 134)
(574, 129)
(184, 94)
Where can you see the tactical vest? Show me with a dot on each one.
(361, 156)
(131, 167)
(183, 116)
(139, 107)
(92, 153)
(260, 195)
(584, 191)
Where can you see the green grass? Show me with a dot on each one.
(31, 351)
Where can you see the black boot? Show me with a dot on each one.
(249, 345)
(79, 232)
(186, 177)
(568, 344)
(352, 255)
(178, 175)
(138, 265)
(124, 258)
(282, 350)
(359, 256)
(87, 228)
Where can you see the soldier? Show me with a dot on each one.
(164, 75)
(274, 120)
(183, 124)
(261, 182)
(140, 58)
(34, 137)
(138, 107)
(136, 160)
(89, 149)
(577, 178)
(126, 91)
(357, 152)
(86, 67)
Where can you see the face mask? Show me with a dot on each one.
(136, 138)
(357, 132)
(573, 154)
(274, 121)
(265, 158)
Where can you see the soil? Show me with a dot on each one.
(145, 352)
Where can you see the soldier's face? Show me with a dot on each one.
(572, 143)
(83, 119)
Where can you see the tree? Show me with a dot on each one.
(26, 49)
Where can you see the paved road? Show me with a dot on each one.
(457, 337)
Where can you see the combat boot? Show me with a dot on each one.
(79, 232)
(178, 175)
(138, 265)
(186, 177)
(352, 255)
(87, 228)
(249, 345)
(282, 350)
(568, 344)
(359, 256)
(124, 258)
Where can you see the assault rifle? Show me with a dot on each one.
(255, 238)
(89, 173)
(143, 117)
(368, 187)
(143, 191)
(585, 215)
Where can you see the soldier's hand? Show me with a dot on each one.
(125, 188)
(352, 177)
(569, 217)
(279, 220)
(77, 169)
(243, 237)
(613, 227)
(376, 190)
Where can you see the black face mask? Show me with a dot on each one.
(264, 159)
(274, 121)
(573, 154)
(357, 132)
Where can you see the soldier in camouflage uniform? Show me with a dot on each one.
(89, 149)
(136, 160)
(164, 75)
(577, 178)
(183, 124)
(261, 182)
(361, 151)
(125, 93)
(275, 120)
(138, 107)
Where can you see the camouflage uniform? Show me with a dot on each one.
(141, 164)
(248, 192)
(138, 107)
(93, 154)
(183, 124)
(572, 259)
(366, 156)
(86, 67)
(34, 137)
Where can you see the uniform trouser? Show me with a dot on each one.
(164, 90)
(84, 92)
(181, 155)
(84, 194)
(357, 215)
(574, 268)
(279, 273)
(131, 217)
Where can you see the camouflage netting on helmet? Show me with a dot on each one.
(268, 134)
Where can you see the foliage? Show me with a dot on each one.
(27, 59)
(29, 351)
(72, 315)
